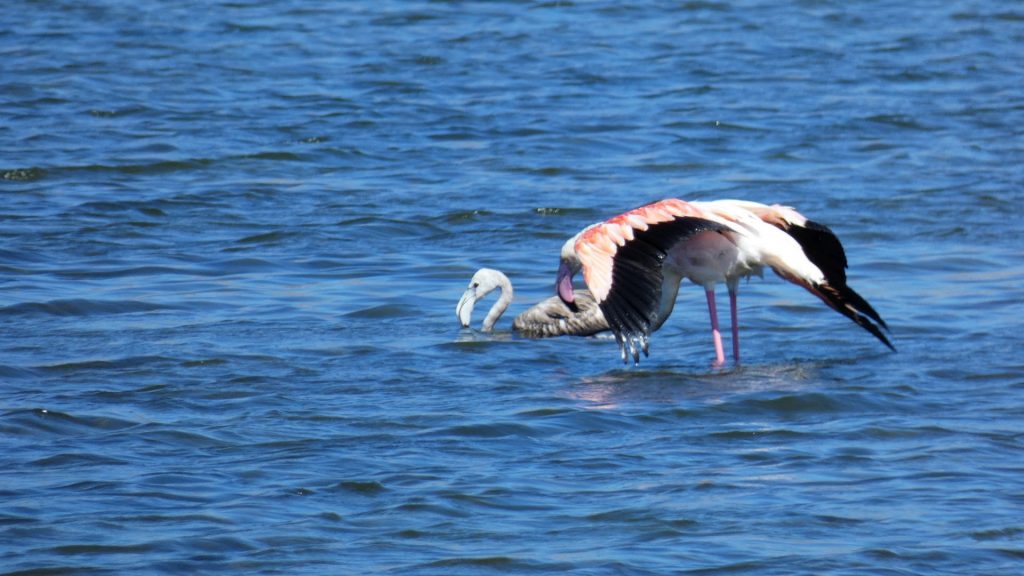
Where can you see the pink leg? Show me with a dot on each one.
(715, 334)
(735, 326)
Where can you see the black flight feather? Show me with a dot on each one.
(633, 303)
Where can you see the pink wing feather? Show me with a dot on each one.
(596, 247)
(622, 260)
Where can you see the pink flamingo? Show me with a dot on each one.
(633, 264)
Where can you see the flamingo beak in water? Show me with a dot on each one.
(464, 310)
(563, 285)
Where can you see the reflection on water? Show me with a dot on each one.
(625, 387)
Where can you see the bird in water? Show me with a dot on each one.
(633, 264)
(552, 317)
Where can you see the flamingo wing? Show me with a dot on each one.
(847, 302)
(623, 264)
(823, 248)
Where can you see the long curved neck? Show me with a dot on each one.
(499, 307)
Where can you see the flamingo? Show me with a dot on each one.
(551, 317)
(633, 264)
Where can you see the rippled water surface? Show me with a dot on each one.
(233, 237)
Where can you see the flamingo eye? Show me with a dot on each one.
(476, 284)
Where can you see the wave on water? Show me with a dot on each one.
(232, 242)
(83, 307)
(41, 421)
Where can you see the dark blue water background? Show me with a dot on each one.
(233, 236)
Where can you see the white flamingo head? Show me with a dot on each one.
(483, 283)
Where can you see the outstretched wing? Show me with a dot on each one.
(844, 300)
(823, 248)
(623, 265)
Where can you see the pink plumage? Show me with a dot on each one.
(633, 264)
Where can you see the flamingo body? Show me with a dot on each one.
(634, 263)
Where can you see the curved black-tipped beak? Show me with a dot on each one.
(563, 284)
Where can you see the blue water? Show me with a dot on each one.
(233, 237)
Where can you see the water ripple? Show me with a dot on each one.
(81, 307)
(228, 275)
